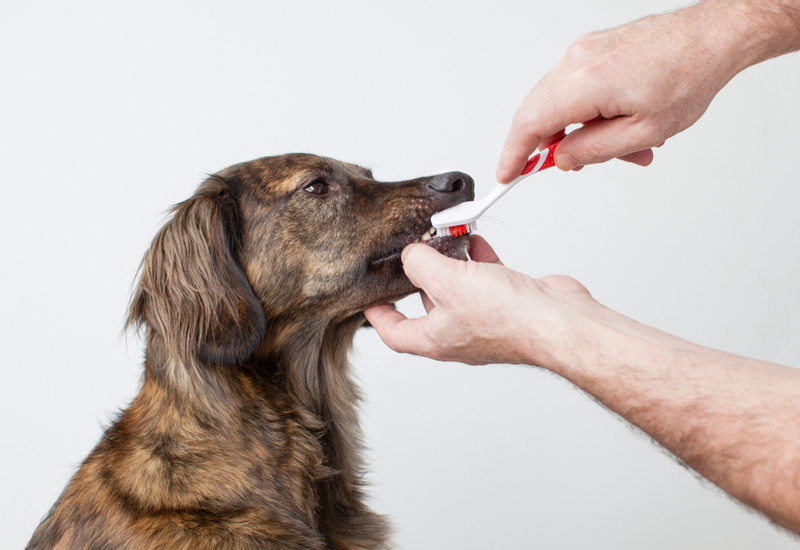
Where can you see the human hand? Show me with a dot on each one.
(677, 392)
(632, 87)
(480, 312)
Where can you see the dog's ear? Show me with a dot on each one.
(192, 290)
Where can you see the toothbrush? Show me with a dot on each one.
(461, 218)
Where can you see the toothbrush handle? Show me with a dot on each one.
(539, 161)
(468, 212)
(536, 162)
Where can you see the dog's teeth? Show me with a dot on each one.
(428, 235)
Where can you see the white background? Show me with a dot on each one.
(111, 112)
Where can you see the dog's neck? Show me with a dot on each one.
(313, 358)
(300, 395)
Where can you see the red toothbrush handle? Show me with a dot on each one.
(534, 161)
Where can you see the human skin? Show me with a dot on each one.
(732, 419)
(637, 85)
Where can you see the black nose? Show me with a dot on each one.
(452, 182)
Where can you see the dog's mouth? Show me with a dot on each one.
(455, 247)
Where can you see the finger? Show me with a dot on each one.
(550, 140)
(481, 251)
(543, 114)
(427, 303)
(426, 267)
(395, 329)
(640, 158)
(605, 140)
(382, 315)
(520, 143)
(592, 121)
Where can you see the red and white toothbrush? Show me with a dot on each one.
(460, 219)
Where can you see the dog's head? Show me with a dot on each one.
(296, 237)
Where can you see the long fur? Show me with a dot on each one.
(244, 433)
(192, 289)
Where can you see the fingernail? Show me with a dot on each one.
(565, 162)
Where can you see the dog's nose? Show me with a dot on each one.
(451, 182)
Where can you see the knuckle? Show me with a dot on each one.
(650, 133)
(521, 120)
(582, 49)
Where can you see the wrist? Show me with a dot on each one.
(571, 334)
(597, 347)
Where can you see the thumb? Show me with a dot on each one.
(427, 268)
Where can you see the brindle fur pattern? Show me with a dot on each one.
(244, 433)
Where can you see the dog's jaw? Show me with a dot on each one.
(389, 278)
(453, 247)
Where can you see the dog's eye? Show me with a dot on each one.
(317, 187)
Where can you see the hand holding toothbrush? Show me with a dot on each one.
(642, 83)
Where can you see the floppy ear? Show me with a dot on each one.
(192, 290)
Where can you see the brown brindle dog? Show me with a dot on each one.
(244, 433)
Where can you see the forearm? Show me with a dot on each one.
(735, 421)
(749, 31)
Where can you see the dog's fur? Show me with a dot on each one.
(244, 433)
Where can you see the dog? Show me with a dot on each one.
(244, 433)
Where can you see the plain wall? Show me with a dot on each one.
(111, 112)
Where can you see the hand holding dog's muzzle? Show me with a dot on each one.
(478, 312)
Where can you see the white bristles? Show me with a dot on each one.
(454, 231)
